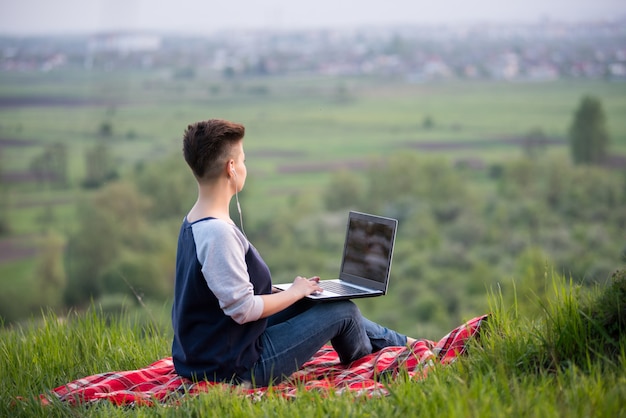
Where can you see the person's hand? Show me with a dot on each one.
(300, 288)
(304, 287)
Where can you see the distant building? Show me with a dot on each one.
(505, 66)
(123, 43)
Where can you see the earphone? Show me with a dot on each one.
(232, 170)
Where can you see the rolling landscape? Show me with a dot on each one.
(496, 215)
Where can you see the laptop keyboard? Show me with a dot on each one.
(341, 289)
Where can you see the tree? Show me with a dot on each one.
(111, 223)
(51, 165)
(99, 166)
(50, 271)
(4, 201)
(428, 122)
(344, 191)
(174, 191)
(534, 143)
(105, 129)
(589, 138)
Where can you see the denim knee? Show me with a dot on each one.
(345, 308)
(351, 341)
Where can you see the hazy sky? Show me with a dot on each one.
(205, 16)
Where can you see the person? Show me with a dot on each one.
(228, 323)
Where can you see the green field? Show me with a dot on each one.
(301, 133)
(298, 129)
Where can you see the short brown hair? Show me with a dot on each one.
(207, 145)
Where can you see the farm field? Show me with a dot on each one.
(298, 129)
(300, 132)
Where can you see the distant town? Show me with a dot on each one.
(545, 50)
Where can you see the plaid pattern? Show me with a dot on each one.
(158, 382)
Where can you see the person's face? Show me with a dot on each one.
(239, 165)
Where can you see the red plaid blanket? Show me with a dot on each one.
(159, 382)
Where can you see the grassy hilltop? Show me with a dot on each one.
(570, 361)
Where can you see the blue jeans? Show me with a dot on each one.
(294, 335)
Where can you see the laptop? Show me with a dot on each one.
(366, 260)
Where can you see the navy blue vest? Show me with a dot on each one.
(207, 343)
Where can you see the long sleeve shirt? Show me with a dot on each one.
(217, 305)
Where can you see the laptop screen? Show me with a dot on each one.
(368, 247)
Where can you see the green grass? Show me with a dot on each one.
(571, 361)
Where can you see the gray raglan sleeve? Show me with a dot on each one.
(221, 252)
